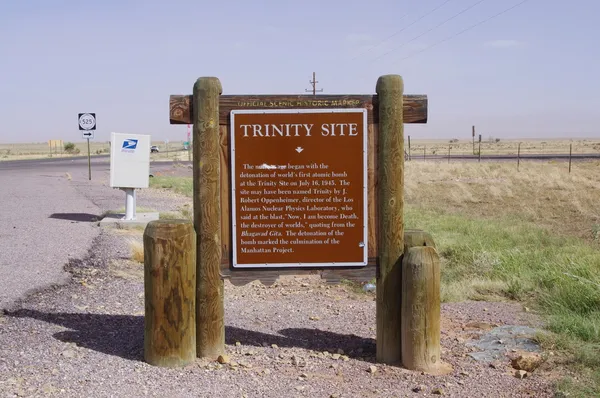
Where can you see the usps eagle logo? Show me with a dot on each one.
(129, 145)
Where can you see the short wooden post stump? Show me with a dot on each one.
(170, 293)
(420, 328)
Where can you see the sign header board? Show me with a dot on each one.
(299, 179)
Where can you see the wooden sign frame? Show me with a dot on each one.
(363, 244)
(181, 111)
(388, 112)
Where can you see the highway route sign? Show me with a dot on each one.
(88, 135)
(87, 122)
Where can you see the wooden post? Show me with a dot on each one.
(518, 156)
(169, 293)
(570, 154)
(409, 156)
(210, 326)
(449, 147)
(421, 311)
(391, 215)
(424, 151)
(479, 148)
(473, 134)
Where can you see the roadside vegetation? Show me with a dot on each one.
(180, 185)
(529, 236)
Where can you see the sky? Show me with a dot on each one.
(531, 72)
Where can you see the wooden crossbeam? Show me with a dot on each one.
(180, 106)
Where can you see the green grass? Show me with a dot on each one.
(181, 185)
(512, 260)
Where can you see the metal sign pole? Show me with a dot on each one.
(89, 161)
(87, 124)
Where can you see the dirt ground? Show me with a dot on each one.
(299, 337)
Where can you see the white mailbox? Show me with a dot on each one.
(129, 160)
(129, 166)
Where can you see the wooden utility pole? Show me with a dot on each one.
(390, 204)
(314, 85)
(210, 312)
(169, 293)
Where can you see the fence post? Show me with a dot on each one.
(169, 293)
(421, 311)
(449, 147)
(210, 326)
(390, 204)
(409, 155)
(518, 156)
(570, 154)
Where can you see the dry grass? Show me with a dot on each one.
(42, 150)
(541, 192)
(489, 146)
(97, 147)
(137, 250)
(505, 234)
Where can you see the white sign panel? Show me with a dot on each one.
(129, 160)
(87, 135)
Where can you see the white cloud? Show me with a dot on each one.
(504, 43)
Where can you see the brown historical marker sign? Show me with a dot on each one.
(299, 187)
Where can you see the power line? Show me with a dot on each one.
(403, 29)
(435, 27)
(314, 85)
(464, 30)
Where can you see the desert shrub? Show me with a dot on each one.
(69, 147)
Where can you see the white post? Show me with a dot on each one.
(130, 204)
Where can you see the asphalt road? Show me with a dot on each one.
(46, 218)
(38, 235)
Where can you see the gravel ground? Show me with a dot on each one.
(297, 338)
(85, 339)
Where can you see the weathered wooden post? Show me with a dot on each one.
(421, 311)
(570, 156)
(390, 90)
(518, 156)
(170, 293)
(210, 326)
